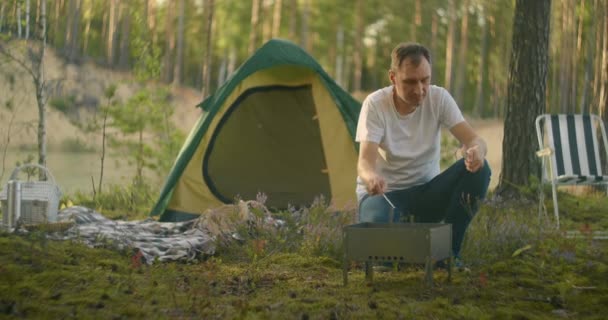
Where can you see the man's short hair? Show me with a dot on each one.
(412, 50)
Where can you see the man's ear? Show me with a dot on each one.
(391, 76)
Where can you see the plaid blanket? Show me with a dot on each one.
(162, 241)
(155, 240)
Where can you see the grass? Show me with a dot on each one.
(515, 272)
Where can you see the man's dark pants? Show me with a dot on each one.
(453, 197)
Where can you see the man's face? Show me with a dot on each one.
(411, 82)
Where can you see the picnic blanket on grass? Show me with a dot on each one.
(161, 241)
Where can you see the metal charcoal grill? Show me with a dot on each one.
(423, 243)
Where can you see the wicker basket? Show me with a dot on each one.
(39, 199)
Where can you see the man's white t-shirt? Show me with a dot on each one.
(409, 146)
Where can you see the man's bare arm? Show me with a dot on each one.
(366, 168)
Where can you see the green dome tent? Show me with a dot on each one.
(280, 126)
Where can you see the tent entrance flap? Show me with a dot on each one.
(268, 141)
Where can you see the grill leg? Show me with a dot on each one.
(429, 271)
(450, 264)
(369, 271)
(345, 270)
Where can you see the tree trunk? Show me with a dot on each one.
(27, 19)
(462, 56)
(67, 41)
(206, 76)
(253, 31)
(305, 41)
(565, 52)
(276, 18)
(266, 20)
(449, 48)
(590, 48)
(87, 28)
(525, 94)
(179, 59)
(603, 97)
(37, 21)
(358, 52)
(434, 36)
(110, 39)
(125, 36)
(170, 43)
(2, 15)
(293, 21)
(74, 51)
(40, 92)
(597, 75)
(578, 34)
(19, 20)
(58, 6)
(417, 20)
(151, 20)
(483, 56)
(339, 74)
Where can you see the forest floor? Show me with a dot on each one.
(515, 269)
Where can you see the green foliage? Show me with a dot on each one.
(130, 202)
(148, 139)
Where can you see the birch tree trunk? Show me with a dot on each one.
(41, 91)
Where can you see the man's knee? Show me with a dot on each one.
(374, 209)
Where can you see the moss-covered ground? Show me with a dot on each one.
(516, 269)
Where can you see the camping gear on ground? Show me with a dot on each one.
(279, 126)
(420, 243)
(13, 208)
(30, 202)
(570, 148)
(150, 239)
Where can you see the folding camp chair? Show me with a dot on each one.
(570, 151)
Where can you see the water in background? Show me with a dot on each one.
(73, 170)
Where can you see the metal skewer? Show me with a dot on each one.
(391, 213)
(389, 201)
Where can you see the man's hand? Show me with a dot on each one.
(473, 160)
(375, 184)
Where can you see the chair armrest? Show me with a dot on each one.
(544, 152)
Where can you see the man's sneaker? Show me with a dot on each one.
(457, 264)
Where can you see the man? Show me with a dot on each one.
(399, 131)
